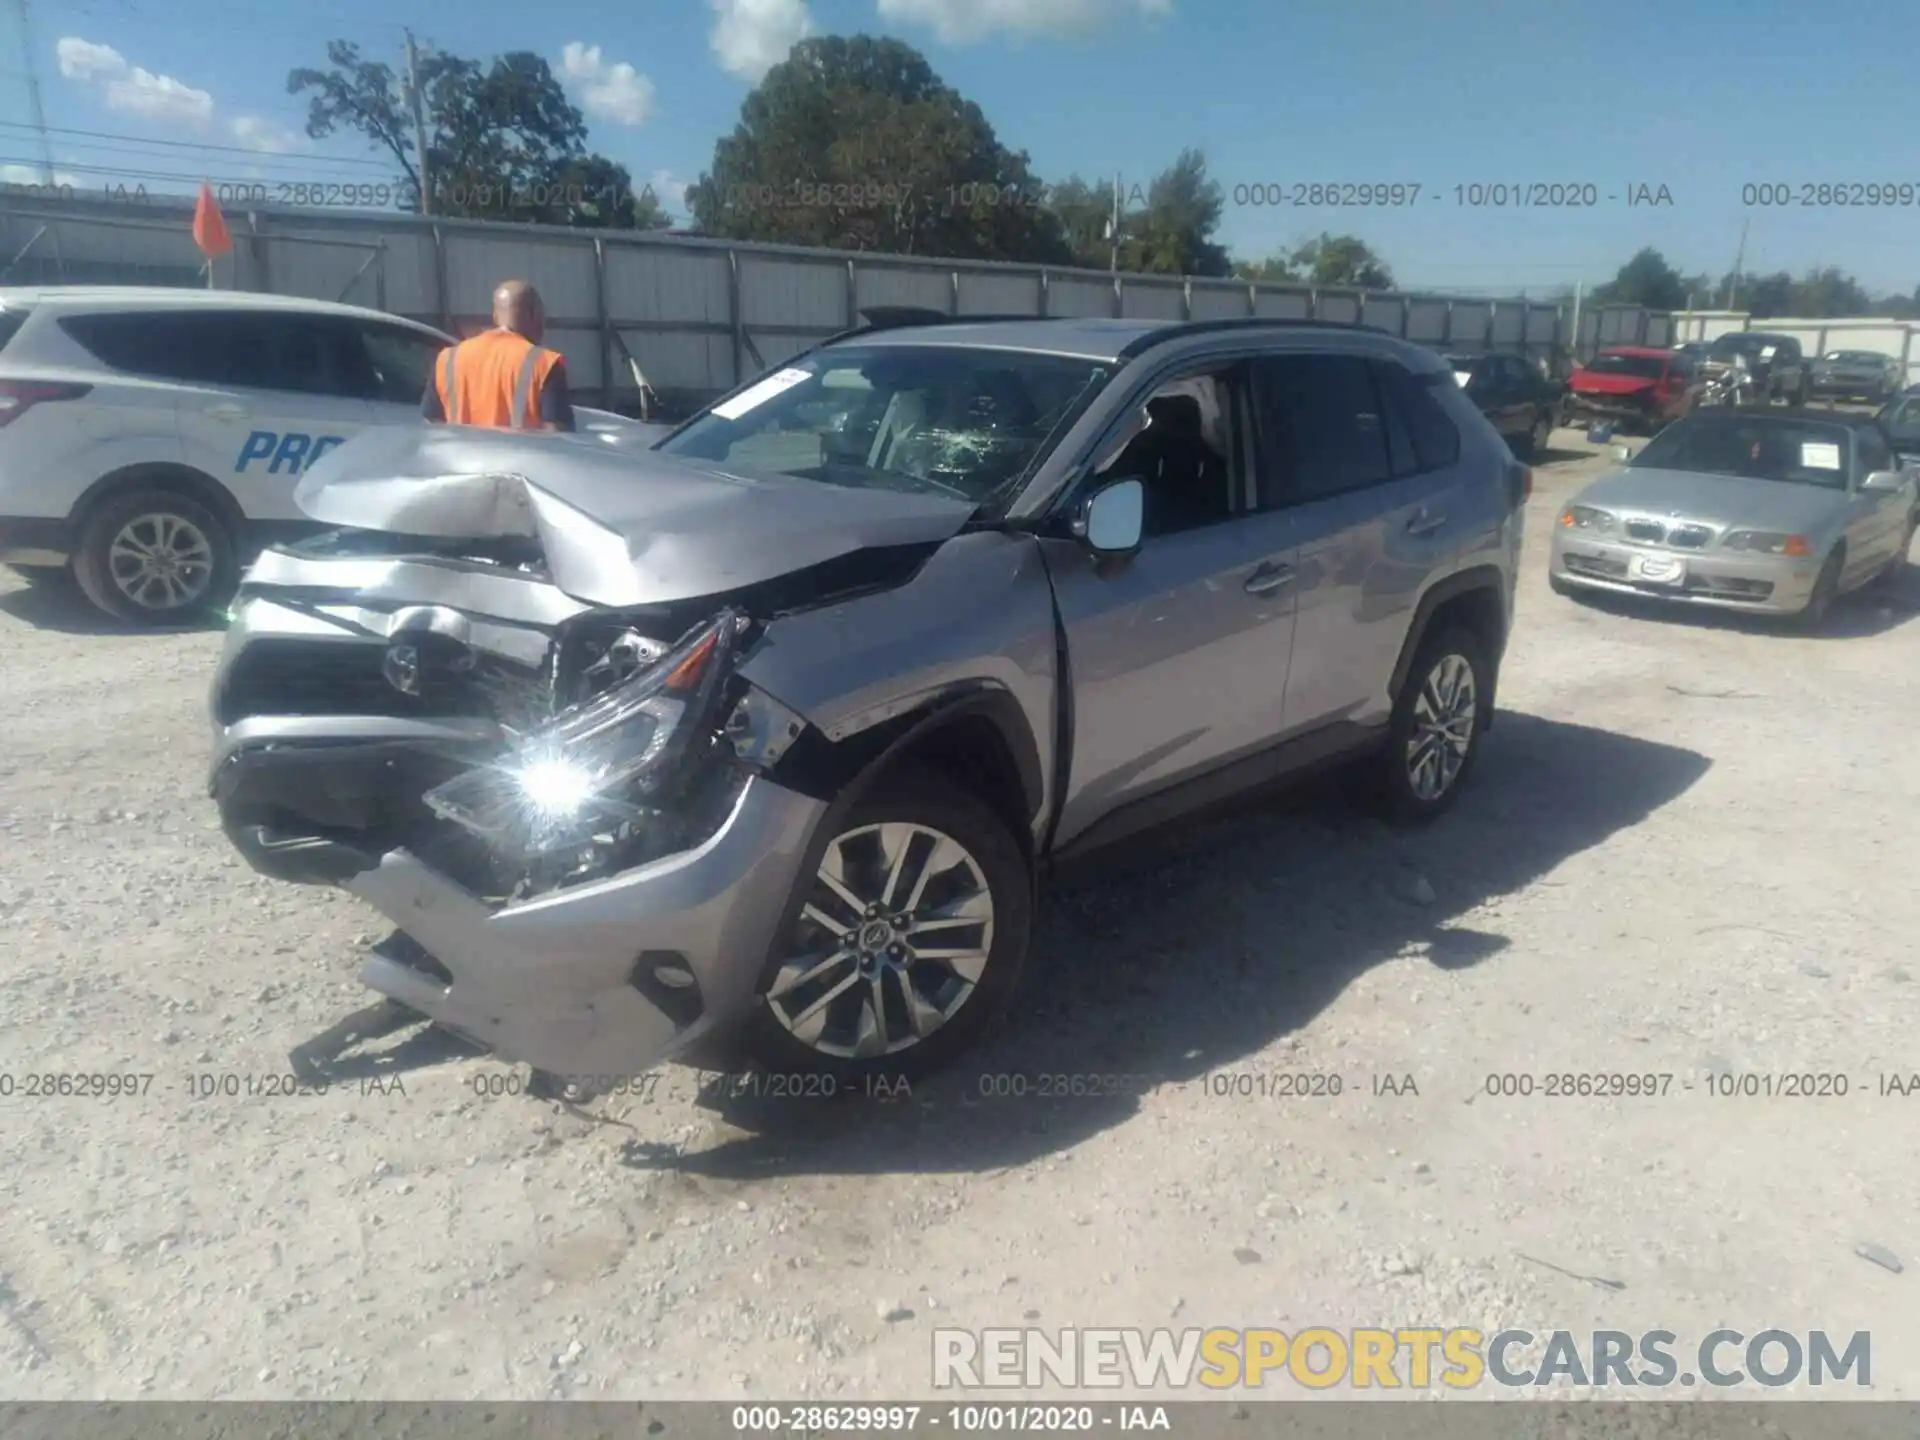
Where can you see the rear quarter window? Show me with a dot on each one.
(1417, 413)
(10, 323)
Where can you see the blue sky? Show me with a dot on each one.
(1704, 97)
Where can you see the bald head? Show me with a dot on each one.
(517, 307)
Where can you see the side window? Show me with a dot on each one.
(1188, 454)
(159, 345)
(1322, 432)
(401, 361)
(1875, 453)
(306, 355)
(1413, 407)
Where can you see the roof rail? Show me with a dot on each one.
(1179, 329)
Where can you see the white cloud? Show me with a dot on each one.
(131, 89)
(264, 136)
(961, 22)
(618, 93)
(84, 60)
(750, 37)
(33, 176)
(670, 190)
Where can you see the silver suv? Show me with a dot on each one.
(762, 738)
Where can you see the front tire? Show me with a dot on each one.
(1439, 716)
(906, 941)
(152, 557)
(1534, 443)
(1826, 586)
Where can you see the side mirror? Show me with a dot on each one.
(1883, 481)
(1623, 452)
(1112, 520)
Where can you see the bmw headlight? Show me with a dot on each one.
(1767, 542)
(593, 768)
(1585, 517)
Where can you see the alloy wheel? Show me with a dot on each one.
(161, 561)
(1444, 713)
(894, 935)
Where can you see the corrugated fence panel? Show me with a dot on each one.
(994, 292)
(776, 346)
(679, 361)
(1427, 321)
(1660, 330)
(561, 269)
(1151, 300)
(1381, 311)
(322, 268)
(1617, 326)
(1219, 300)
(1881, 339)
(898, 285)
(656, 285)
(1079, 295)
(1282, 304)
(1470, 321)
(778, 292)
(582, 350)
(1337, 307)
(1542, 324)
(1509, 322)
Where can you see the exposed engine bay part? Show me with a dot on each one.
(613, 526)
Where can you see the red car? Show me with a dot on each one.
(1633, 385)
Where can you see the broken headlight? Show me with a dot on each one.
(590, 772)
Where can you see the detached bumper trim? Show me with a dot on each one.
(551, 982)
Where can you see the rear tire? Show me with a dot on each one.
(1439, 716)
(152, 557)
(873, 996)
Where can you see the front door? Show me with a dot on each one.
(1178, 654)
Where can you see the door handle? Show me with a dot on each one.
(1268, 578)
(1425, 523)
(227, 412)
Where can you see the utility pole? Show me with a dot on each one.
(1573, 349)
(1113, 227)
(34, 106)
(419, 125)
(1739, 259)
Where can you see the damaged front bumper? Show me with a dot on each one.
(590, 949)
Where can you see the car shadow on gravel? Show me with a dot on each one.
(55, 603)
(1184, 962)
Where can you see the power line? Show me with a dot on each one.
(91, 136)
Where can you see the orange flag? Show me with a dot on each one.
(209, 225)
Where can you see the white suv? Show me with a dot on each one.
(152, 438)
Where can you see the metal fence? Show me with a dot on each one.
(697, 316)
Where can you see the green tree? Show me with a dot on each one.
(1172, 234)
(503, 141)
(1275, 270)
(1647, 279)
(1341, 261)
(855, 143)
(1083, 210)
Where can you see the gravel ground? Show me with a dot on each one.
(1676, 857)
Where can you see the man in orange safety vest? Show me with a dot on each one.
(503, 378)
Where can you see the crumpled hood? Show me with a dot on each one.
(618, 523)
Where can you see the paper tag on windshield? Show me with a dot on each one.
(754, 396)
(1819, 457)
(1766, 351)
(1461, 378)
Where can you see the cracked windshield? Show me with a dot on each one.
(957, 717)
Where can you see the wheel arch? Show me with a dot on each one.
(976, 735)
(1475, 598)
(169, 476)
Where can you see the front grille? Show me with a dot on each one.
(1646, 532)
(1722, 587)
(1689, 537)
(304, 677)
(1600, 567)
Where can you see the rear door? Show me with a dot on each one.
(1364, 465)
(271, 391)
(1877, 519)
(1178, 654)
